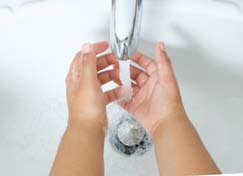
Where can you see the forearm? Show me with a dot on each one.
(179, 150)
(81, 151)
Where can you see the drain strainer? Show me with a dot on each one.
(128, 137)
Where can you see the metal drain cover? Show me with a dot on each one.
(128, 137)
(130, 133)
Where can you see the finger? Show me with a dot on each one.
(74, 73)
(147, 63)
(135, 72)
(100, 47)
(135, 89)
(116, 94)
(138, 76)
(163, 61)
(105, 61)
(110, 75)
(141, 79)
(88, 71)
(72, 65)
(97, 47)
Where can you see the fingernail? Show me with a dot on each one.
(162, 46)
(87, 48)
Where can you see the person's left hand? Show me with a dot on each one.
(86, 101)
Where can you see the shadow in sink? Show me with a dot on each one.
(236, 4)
(7, 8)
(13, 6)
(191, 66)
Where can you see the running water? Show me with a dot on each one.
(126, 135)
(125, 77)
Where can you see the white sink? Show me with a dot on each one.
(38, 41)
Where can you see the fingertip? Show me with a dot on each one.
(161, 46)
(161, 56)
(112, 59)
(87, 48)
(100, 47)
(88, 58)
(136, 56)
(87, 54)
(104, 44)
(158, 55)
(116, 66)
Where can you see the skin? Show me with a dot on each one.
(82, 147)
(156, 104)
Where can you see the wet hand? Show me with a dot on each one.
(86, 101)
(156, 94)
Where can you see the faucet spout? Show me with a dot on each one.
(125, 27)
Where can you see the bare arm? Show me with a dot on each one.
(157, 105)
(179, 150)
(81, 151)
(178, 147)
(82, 147)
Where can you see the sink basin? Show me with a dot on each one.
(39, 40)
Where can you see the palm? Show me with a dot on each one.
(156, 94)
(141, 102)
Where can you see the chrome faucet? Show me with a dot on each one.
(125, 27)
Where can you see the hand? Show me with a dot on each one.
(87, 114)
(156, 94)
(86, 101)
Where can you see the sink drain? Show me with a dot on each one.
(128, 137)
(130, 133)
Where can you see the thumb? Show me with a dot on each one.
(89, 71)
(163, 62)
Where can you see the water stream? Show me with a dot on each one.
(126, 135)
(126, 78)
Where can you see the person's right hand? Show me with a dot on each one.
(156, 94)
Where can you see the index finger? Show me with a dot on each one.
(100, 47)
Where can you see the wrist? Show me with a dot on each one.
(164, 124)
(88, 124)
